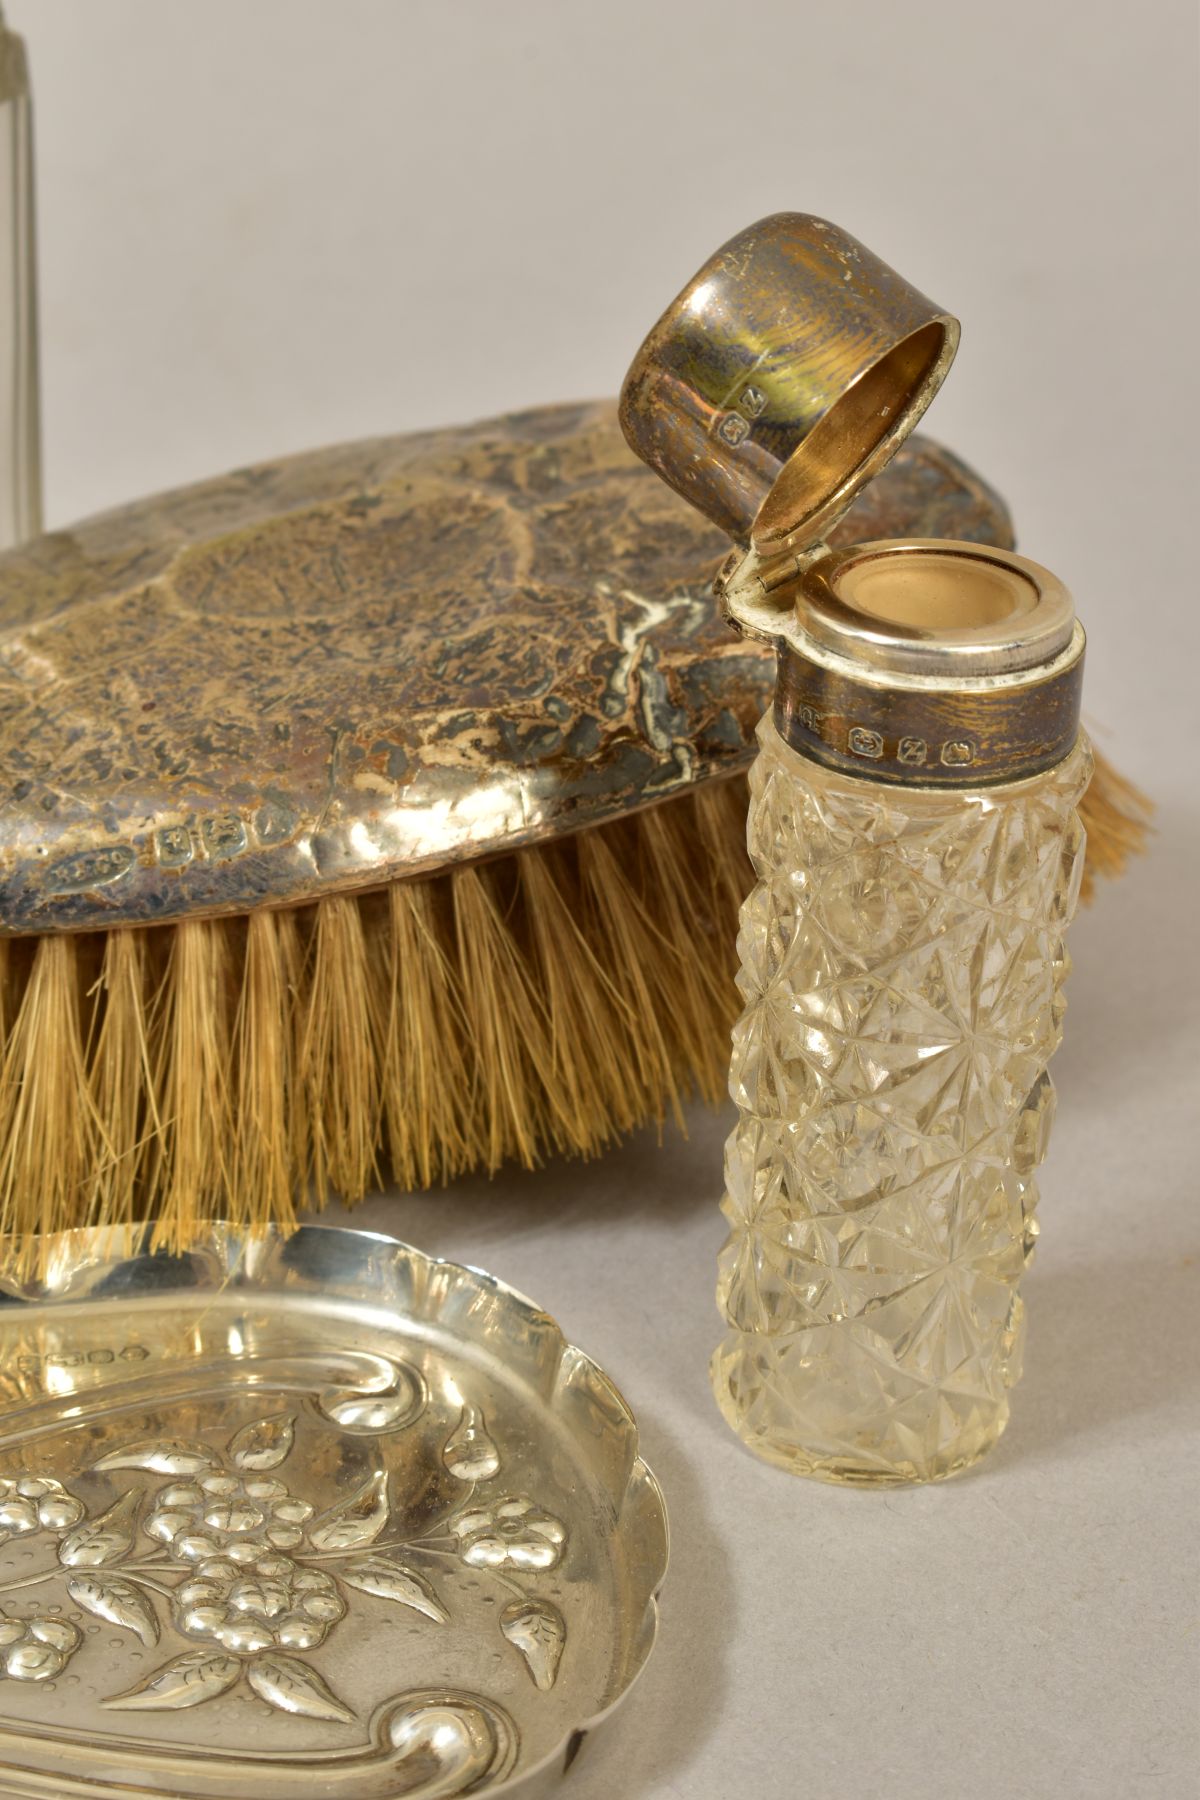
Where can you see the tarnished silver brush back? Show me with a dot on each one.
(379, 660)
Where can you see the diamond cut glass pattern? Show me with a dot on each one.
(902, 967)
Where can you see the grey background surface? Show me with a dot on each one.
(268, 224)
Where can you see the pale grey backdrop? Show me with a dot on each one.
(271, 223)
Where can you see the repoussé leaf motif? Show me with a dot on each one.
(389, 1580)
(290, 1685)
(103, 1540)
(117, 1601)
(358, 1521)
(469, 1452)
(161, 1456)
(187, 1681)
(264, 1444)
(539, 1632)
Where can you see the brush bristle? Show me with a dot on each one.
(48, 1124)
(543, 1003)
(1117, 818)
(189, 1158)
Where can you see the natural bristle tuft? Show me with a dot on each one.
(1117, 818)
(543, 1003)
(48, 1122)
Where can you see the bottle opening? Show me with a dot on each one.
(933, 607)
(931, 590)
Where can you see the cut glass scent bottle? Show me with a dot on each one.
(918, 850)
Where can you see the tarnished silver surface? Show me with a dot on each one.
(378, 660)
(783, 377)
(308, 1517)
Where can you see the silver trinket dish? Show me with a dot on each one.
(307, 1516)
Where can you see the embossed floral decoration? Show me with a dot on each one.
(249, 1576)
(511, 1533)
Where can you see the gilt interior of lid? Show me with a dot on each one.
(856, 435)
(925, 604)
